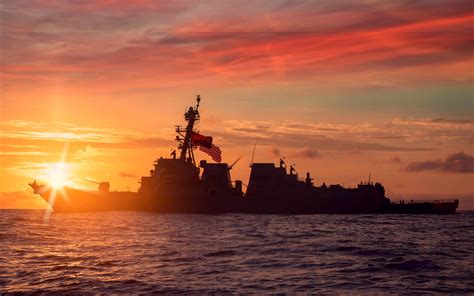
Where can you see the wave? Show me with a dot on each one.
(133, 253)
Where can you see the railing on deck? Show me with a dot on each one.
(414, 201)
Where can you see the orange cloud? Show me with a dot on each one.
(235, 48)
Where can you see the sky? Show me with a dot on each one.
(342, 89)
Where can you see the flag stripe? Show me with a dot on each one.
(215, 156)
(214, 152)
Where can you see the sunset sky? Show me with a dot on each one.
(340, 88)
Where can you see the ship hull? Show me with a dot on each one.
(433, 207)
(70, 200)
(202, 201)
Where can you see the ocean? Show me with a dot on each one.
(132, 252)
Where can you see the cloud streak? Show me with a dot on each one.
(28, 148)
(455, 163)
(399, 134)
(309, 153)
(28, 134)
(120, 47)
(127, 175)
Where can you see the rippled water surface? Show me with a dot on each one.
(130, 252)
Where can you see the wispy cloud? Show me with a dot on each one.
(92, 43)
(29, 148)
(395, 160)
(307, 153)
(25, 138)
(127, 175)
(275, 151)
(27, 134)
(455, 163)
(399, 134)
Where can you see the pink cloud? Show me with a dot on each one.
(233, 48)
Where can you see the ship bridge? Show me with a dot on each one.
(266, 179)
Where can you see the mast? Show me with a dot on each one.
(253, 153)
(192, 117)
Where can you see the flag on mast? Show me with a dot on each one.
(201, 140)
(214, 152)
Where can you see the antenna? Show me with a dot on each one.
(198, 100)
(253, 153)
(232, 165)
(95, 182)
(368, 182)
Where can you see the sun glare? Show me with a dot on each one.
(58, 174)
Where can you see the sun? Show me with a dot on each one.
(58, 174)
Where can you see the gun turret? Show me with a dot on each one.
(103, 186)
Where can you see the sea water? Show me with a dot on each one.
(133, 252)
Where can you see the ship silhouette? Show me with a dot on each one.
(179, 185)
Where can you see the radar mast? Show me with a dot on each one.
(184, 136)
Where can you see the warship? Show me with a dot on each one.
(178, 184)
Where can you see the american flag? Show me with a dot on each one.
(214, 152)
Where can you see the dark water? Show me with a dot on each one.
(128, 252)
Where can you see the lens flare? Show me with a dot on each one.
(58, 174)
